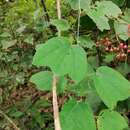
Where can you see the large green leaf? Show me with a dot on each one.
(77, 116)
(84, 4)
(62, 58)
(111, 120)
(111, 86)
(102, 11)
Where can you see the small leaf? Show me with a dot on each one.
(21, 29)
(86, 41)
(29, 39)
(58, 54)
(5, 35)
(126, 15)
(119, 2)
(43, 80)
(77, 116)
(121, 28)
(111, 120)
(109, 9)
(61, 24)
(84, 4)
(109, 58)
(111, 86)
(8, 44)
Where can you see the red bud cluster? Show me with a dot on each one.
(121, 50)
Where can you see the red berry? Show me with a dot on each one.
(128, 51)
(115, 49)
(125, 46)
(111, 50)
(121, 45)
(118, 48)
(109, 43)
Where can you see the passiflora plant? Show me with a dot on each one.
(101, 87)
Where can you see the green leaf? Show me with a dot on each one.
(98, 17)
(111, 86)
(29, 39)
(85, 41)
(43, 80)
(5, 35)
(119, 2)
(8, 44)
(82, 88)
(21, 29)
(61, 24)
(61, 85)
(123, 68)
(77, 116)
(126, 15)
(62, 58)
(102, 11)
(109, 9)
(93, 100)
(121, 28)
(84, 4)
(111, 120)
(14, 113)
(109, 58)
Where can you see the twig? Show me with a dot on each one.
(59, 14)
(78, 28)
(45, 10)
(9, 120)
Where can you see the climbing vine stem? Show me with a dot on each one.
(54, 83)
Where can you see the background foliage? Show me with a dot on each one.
(104, 40)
